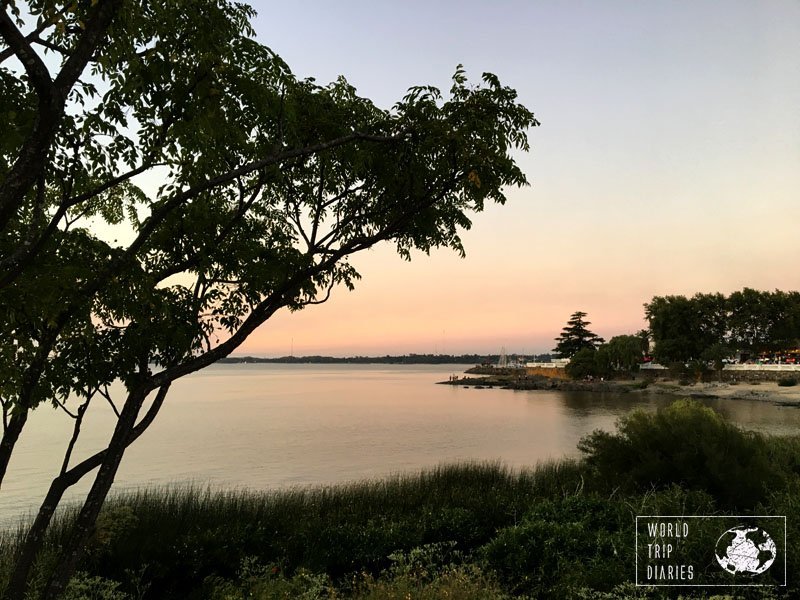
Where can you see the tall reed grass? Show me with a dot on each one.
(182, 535)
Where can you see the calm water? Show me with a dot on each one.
(272, 426)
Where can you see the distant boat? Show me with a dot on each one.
(502, 362)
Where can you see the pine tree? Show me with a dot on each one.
(575, 336)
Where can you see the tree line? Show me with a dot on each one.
(713, 326)
(702, 329)
(404, 359)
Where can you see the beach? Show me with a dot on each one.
(767, 391)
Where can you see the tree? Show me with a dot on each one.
(764, 321)
(583, 364)
(716, 354)
(682, 328)
(622, 353)
(625, 352)
(267, 185)
(576, 336)
(748, 320)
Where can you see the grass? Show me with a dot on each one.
(471, 531)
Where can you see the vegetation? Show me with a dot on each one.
(622, 355)
(625, 352)
(575, 337)
(269, 184)
(585, 364)
(691, 445)
(713, 326)
(560, 530)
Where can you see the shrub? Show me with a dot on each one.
(690, 445)
(429, 572)
(787, 381)
(267, 582)
(583, 364)
(563, 544)
(466, 582)
(85, 587)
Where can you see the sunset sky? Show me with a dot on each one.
(668, 162)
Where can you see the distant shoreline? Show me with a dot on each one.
(406, 359)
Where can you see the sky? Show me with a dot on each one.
(667, 162)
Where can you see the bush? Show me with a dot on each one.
(86, 587)
(583, 364)
(689, 445)
(562, 545)
(787, 381)
(268, 582)
(429, 572)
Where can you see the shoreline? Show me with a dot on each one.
(767, 391)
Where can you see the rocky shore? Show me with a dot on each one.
(761, 391)
(535, 382)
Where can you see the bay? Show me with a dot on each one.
(272, 426)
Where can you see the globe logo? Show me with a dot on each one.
(745, 550)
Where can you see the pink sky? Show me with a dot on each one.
(668, 162)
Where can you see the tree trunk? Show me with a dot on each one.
(17, 584)
(23, 404)
(10, 437)
(34, 539)
(84, 524)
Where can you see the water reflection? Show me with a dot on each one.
(270, 426)
(587, 404)
(767, 417)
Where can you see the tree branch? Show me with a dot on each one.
(34, 66)
(34, 35)
(53, 95)
(104, 393)
(73, 475)
(160, 212)
(94, 33)
(76, 430)
(276, 300)
(49, 45)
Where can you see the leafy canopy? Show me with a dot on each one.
(268, 183)
(241, 189)
(714, 326)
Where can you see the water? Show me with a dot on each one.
(273, 426)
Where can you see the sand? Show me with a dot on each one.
(767, 391)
